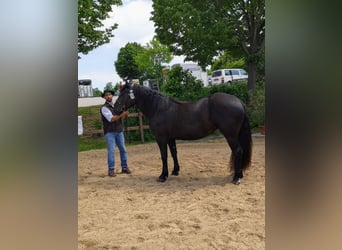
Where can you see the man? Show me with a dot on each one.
(112, 127)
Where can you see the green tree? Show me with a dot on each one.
(183, 86)
(126, 65)
(256, 106)
(97, 92)
(226, 61)
(109, 86)
(151, 59)
(91, 31)
(116, 87)
(201, 30)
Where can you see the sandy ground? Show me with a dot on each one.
(199, 209)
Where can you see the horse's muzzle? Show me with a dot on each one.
(118, 108)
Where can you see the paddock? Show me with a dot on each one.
(199, 209)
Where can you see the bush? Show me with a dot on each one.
(238, 89)
(256, 107)
(255, 102)
(183, 86)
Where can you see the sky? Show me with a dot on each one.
(133, 26)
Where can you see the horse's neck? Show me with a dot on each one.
(147, 101)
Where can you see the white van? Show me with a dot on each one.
(228, 76)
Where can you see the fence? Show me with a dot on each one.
(140, 127)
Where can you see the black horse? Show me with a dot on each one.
(170, 120)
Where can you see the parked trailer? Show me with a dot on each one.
(85, 88)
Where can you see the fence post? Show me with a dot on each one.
(141, 127)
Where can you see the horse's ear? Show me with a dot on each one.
(127, 81)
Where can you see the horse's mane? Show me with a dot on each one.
(151, 93)
(150, 101)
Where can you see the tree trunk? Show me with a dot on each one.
(252, 75)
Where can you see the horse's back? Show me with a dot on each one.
(184, 120)
(195, 119)
(226, 100)
(226, 110)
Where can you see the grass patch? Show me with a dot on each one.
(89, 111)
(88, 143)
(97, 141)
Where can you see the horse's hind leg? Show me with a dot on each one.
(237, 162)
(236, 158)
(173, 149)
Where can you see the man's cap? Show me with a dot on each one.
(107, 91)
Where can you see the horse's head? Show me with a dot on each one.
(126, 98)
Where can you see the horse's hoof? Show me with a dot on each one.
(237, 181)
(161, 179)
(175, 173)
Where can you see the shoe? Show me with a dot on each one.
(125, 171)
(111, 173)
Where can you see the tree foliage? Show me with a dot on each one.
(256, 106)
(91, 30)
(189, 28)
(201, 30)
(238, 89)
(226, 61)
(183, 86)
(126, 65)
(109, 86)
(151, 59)
(97, 92)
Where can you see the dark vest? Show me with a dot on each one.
(110, 126)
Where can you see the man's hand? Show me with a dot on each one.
(124, 114)
(117, 117)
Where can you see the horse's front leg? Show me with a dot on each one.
(163, 153)
(173, 150)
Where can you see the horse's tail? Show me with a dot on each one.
(245, 140)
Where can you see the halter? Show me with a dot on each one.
(131, 94)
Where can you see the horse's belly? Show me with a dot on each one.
(191, 132)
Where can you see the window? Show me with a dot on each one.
(243, 72)
(235, 72)
(216, 73)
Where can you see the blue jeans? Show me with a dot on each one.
(117, 138)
